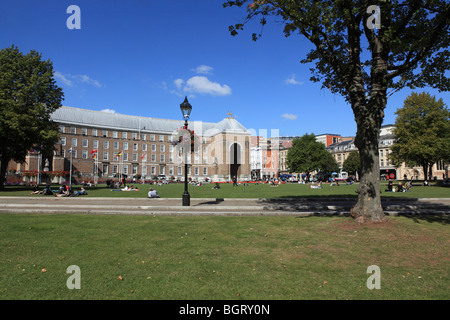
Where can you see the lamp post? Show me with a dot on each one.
(186, 111)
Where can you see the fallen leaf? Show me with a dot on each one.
(44, 270)
(120, 278)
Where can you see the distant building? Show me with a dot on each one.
(328, 138)
(341, 150)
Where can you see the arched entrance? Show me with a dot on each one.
(235, 160)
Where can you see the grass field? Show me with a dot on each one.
(251, 191)
(229, 258)
(208, 258)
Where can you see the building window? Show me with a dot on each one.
(115, 167)
(125, 156)
(105, 144)
(125, 146)
(62, 129)
(162, 170)
(161, 138)
(116, 145)
(125, 169)
(135, 169)
(94, 132)
(196, 171)
(153, 147)
(135, 146)
(84, 131)
(205, 171)
(135, 157)
(143, 136)
(180, 172)
(124, 135)
(105, 155)
(105, 133)
(73, 130)
(115, 134)
(85, 143)
(144, 147)
(162, 158)
(134, 136)
(163, 148)
(95, 144)
(152, 137)
(84, 154)
(74, 142)
(171, 171)
(153, 170)
(63, 141)
(153, 159)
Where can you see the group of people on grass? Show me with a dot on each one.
(400, 187)
(62, 191)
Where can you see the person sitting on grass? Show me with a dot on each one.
(318, 186)
(35, 189)
(81, 192)
(217, 186)
(152, 193)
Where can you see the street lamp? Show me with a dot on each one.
(186, 111)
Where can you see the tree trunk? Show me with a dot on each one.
(369, 207)
(3, 167)
(425, 171)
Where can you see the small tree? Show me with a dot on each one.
(352, 164)
(422, 133)
(308, 155)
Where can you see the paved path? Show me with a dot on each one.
(237, 207)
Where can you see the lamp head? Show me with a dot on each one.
(186, 108)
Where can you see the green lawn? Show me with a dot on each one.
(251, 191)
(165, 257)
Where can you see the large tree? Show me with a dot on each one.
(28, 96)
(422, 133)
(307, 155)
(364, 64)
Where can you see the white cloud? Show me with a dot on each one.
(59, 76)
(108, 110)
(200, 84)
(179, 83)
(86, 79)
(70, 80)
(203, 69)
(292, 80)
(289, 116)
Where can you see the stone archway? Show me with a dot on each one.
(235, 160)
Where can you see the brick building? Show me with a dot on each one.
(115, 144)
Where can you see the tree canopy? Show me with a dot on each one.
(352, 164)
(28, 96)
(307, 155)
(422, 132)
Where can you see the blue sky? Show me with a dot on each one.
(142, 57)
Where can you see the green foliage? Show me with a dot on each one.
(308, 155)
(353, 163)
(28, 96)
(422, 131)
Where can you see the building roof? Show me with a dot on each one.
(117, 121)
